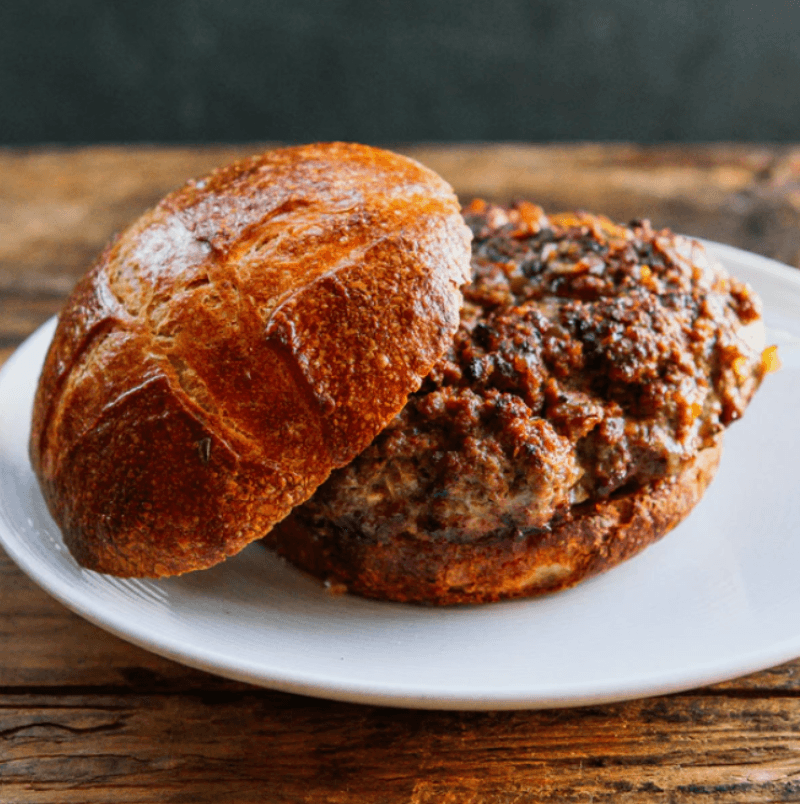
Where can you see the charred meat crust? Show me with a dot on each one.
(594, 364)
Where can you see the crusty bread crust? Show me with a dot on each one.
(250, 333)
(596, 537)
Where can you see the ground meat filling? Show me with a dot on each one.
(591, 359)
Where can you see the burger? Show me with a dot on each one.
(317, 348)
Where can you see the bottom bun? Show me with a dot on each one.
(421, 568)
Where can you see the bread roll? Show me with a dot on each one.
(254, 330)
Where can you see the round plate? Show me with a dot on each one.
(717, 598)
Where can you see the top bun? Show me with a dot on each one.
(252, 332)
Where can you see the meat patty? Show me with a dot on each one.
(593, 363)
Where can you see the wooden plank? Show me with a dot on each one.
(59, 207)
(250, 744)
(747, 196)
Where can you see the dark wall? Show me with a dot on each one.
(380, 71)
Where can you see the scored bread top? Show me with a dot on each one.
(253, 331)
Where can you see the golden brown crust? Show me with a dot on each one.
(211, 369)
(596, 537)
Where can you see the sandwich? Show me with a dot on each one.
(318, 349)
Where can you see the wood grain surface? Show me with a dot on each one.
(86, 717)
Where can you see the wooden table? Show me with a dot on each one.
(86, 717)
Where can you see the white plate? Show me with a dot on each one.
(717, 598)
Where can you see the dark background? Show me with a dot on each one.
(87, 71)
